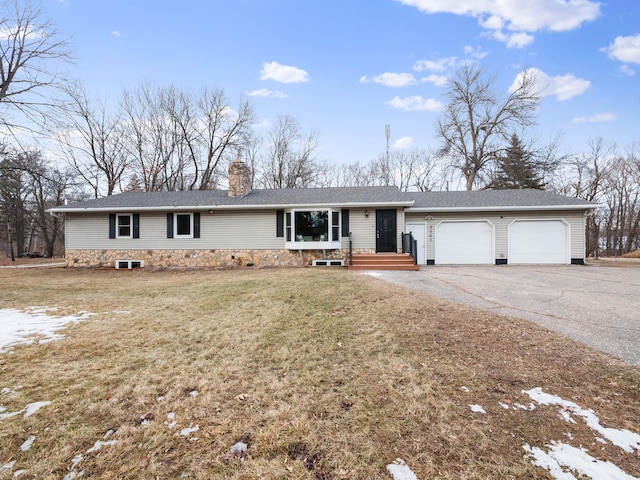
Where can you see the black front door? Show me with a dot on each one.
(386, 235)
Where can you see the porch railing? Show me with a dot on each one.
(350, 249)
(410, 246)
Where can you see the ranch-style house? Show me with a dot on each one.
(367, 227)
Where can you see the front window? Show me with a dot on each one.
(310, 229)
(124, 226)
(312, 226)
(183, 225)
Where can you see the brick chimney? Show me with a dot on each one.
(239, 179)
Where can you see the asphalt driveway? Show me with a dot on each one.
(593, 304)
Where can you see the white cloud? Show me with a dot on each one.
(283, 73)
(598, 118)
(437, 80)
(625, 49)
(474, 52)
(404, 142)
(266, 93)
(116, 33)
(627, 70)
(416, 103)
(516, 15)
(439, 65)
(563, 87)
(391, 79)
(519, 40)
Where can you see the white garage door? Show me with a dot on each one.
(541, 241)
(464, 243)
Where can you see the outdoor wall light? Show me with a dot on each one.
(211, 211)
(366, 213)
(428, 217)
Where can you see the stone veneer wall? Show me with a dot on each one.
(202, 258)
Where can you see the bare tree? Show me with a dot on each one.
(30, 53)
(478, 122)
(151, 139)
(181, 141)
(357, 175)
(92, 142)
(29, 186)
(413, 169)
(289, 161)
(211, 131)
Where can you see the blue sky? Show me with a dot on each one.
(347, 68)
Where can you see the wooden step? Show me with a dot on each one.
(399, 261)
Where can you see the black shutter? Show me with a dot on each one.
(345, 222)
(196, 225)
(279, 223)
(112, 225)
(169, 225)
(136, 225)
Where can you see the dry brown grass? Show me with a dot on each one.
(325, 374)
(634, 254)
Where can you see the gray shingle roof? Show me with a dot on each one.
(268, 198)
(494, 200)
(338, 197)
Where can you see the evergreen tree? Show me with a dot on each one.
(517, 168)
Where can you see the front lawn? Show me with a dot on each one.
(295, 374)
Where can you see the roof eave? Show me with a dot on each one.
(503, 208)
(181, 208)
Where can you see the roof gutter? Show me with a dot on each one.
(590, 206)
(175, 208)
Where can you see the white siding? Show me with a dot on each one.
(254, 229)
(363, 228)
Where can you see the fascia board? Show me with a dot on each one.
(172, 208)
(503, 209)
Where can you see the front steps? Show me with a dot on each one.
(383, 261)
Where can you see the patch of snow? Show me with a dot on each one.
(17, 473)
(566, 416)
(73, 475)
(10, 414)
(101, 443)
(7, 391)
(239, 448)
(76, 460)
(529, 407)
(34, 407)
(464, 389)
(185, 432)
(625, 439)
(562, 457)
(193, 393)
(601, 440)
(27, 443)
(29, 410)
(504, 405)
(400, 471)
(7, 467)
(19, 327)
(477, 409)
